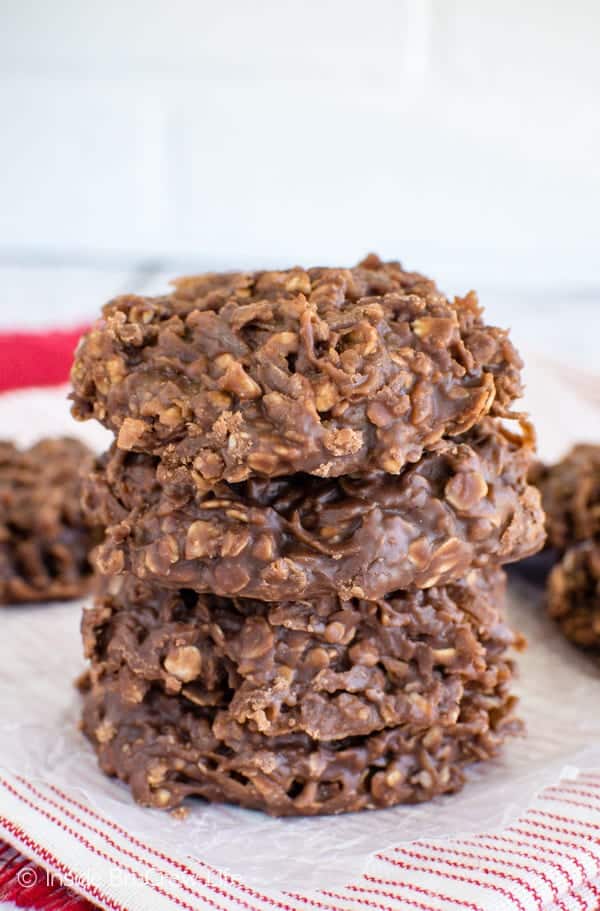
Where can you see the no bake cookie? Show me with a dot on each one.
(571, 496)
(570, 492)
(464, 503)
(44, 538)
(325, 371)
(574, 594)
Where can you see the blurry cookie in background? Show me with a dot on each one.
(571, 499)
(571, 496)
(574, 594)
(44, 538)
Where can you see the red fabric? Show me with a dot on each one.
(36, 358)
(28, 886)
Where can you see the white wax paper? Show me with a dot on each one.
(40, 656)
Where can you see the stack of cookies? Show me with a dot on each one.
(308, 500)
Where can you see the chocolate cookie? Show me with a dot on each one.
(465, 503)
(571, 496)
(44, 539)
(308, 707)
(324, 371)
(574, 594)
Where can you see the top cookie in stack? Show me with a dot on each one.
(325, 371)
(291, 437)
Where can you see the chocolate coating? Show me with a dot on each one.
(574, 594)
(466, 503)
(44, 539)
(319, 706)
(324, 371)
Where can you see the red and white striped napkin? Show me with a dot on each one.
(539, 807)
(549, 858)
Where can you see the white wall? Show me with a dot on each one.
(460, 135)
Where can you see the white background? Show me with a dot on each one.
(460, 135)
(144, 138)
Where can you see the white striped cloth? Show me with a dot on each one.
(547, 859)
